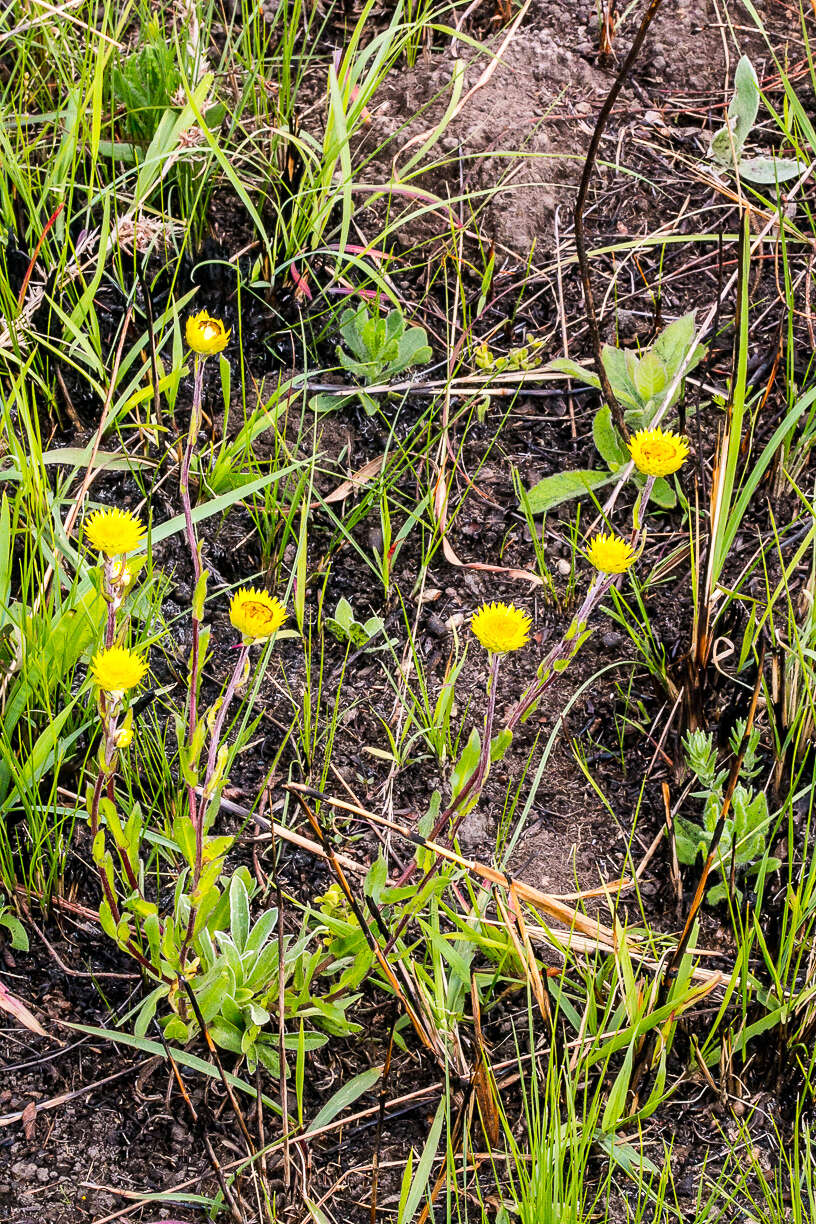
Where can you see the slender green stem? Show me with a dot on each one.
(472, 788)
(105, 775)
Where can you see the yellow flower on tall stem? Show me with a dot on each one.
(610, 554)
(658, 452)
(500, 627)
(114, 532)
(117, 669)
(256, 614)
(206, 335)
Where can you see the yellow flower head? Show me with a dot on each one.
(610, 554)
(206, 335)
(114, 532)
(658, 452)
(501, 627)
(117, 669)
(256, 614)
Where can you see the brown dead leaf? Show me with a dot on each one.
(29, 1121)
(367, 472)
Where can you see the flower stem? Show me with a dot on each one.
(473, 786)
(563, 649)
(215, 737)
(196, 810)
(106, 773)
(640, 506)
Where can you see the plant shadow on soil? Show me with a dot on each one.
(132, 1132)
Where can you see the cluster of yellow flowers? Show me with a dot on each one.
(254, 613)
(502, 628)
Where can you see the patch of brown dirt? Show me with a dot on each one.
(522, 125)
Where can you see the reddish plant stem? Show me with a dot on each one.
(562, 649)
(196, 810)
(215, 737)
(597, 591)
(113, 597)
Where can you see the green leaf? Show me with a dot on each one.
(413, 350)
(616, 1102)
(765, 171)
(17, 932)
(261, 931)
(239, 912)
(742, 112)
(376, 878)
(608, 442)
(650, 376)
(563, 365)
(619, 364)
(565, 486)
(499, 744)
(148, 1010)
(663, 494)
(177, 1030)
(346, 1095)
(419, 1184)
(227, 1036)
(465, 767)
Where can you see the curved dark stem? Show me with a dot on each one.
(580, 204)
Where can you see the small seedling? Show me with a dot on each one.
(17, 935)
(379, 348)
(526, 357)
(346, 628)
(728, 143)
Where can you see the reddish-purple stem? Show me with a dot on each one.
(215, 737)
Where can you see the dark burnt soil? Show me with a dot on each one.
(81, 1155)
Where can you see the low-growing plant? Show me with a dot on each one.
(743, 842)
(236, 983)
(379, 348)
(524, 357)
(641, 383)
(728, 142)
(346, 628)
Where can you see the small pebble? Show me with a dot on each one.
(436, 625)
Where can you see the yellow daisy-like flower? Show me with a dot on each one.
(256, 614)
(114, 532)
(117, 669)
(501, 627)
(206, 335)
(610, 554)
(658, 452)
